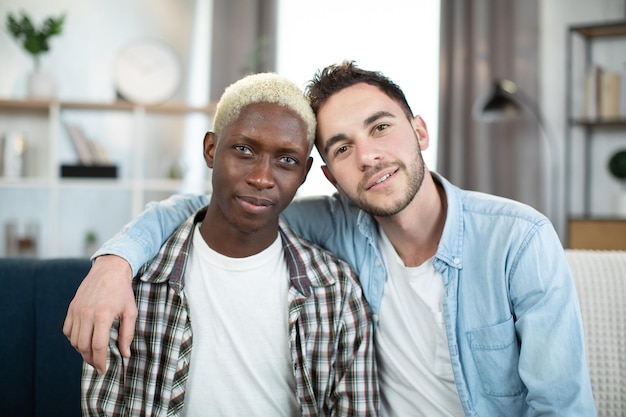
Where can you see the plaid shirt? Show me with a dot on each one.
(330, 335)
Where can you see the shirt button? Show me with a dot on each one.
(457, 261)
(375, 317)
(377, 263)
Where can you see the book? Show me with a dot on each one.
(622, 96)
(80, 144)
(609, 104)
(88, 151)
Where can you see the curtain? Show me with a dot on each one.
(482, 41)
(244, 41)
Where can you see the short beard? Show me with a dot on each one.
(416, 178)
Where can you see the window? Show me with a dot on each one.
(398, 37)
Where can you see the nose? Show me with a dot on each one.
(368, 154)
(261, 174)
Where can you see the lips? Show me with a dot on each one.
(254, 204)
(380, 177)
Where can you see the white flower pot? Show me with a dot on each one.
(41, 85)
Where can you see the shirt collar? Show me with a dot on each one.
(305, 265)
(171, 261)
(450, 247)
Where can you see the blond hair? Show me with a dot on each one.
(263, 88)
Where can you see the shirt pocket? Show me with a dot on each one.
(496, 354)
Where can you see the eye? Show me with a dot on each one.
(381, 127)
(288, 160)
(341, 149)
(243, 149)
(340, 152)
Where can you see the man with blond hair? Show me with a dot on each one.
(238, 316)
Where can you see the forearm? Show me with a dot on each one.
(140, 240)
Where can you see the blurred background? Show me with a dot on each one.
(547, 141)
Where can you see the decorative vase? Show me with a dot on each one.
(41, 85)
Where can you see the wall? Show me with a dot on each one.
(556, 17)
(81, 59)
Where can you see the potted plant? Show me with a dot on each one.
(35, 41)
(91, 242)
(617, 168)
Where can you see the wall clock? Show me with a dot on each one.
(147, 72)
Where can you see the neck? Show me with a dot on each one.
(415, 232)
(228, 240)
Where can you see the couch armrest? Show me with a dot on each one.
(41, 371)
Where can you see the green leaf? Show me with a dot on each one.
(13, 26)
(34, 41)
(53, 26)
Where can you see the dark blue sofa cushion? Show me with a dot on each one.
(40, 372)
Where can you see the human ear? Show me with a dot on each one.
(309, 164)
(422, 132)
(209, 148)
(330, 177)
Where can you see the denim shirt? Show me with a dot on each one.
(510, 305)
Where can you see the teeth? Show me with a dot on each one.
(381, 179)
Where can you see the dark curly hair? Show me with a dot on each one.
(336, 77)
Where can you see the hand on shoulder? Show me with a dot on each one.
(105, 295)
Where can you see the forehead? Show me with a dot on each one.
(269, 121)
(355, 102)
(351, 108)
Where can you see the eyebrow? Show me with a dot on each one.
(376, 116)
(368, 121)
(254, 142)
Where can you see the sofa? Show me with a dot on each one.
(40, 372)
(600, 278)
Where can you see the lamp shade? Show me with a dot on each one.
(499, 104)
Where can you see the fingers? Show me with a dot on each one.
(68, 323)
(89, 332)
(96, 344)
(77, 336)
(104, 296)
(127, 330)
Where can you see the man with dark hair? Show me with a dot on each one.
(474, 305)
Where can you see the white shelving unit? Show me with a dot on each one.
(143, 141)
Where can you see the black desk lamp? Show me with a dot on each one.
(505, 102)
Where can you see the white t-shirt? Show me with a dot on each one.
(414, 366)
(240, 361)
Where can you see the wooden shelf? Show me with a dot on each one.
(68, 202)
(44, 105)
(618, 122)
(597, 233)
(24, 105)
(603, 30)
